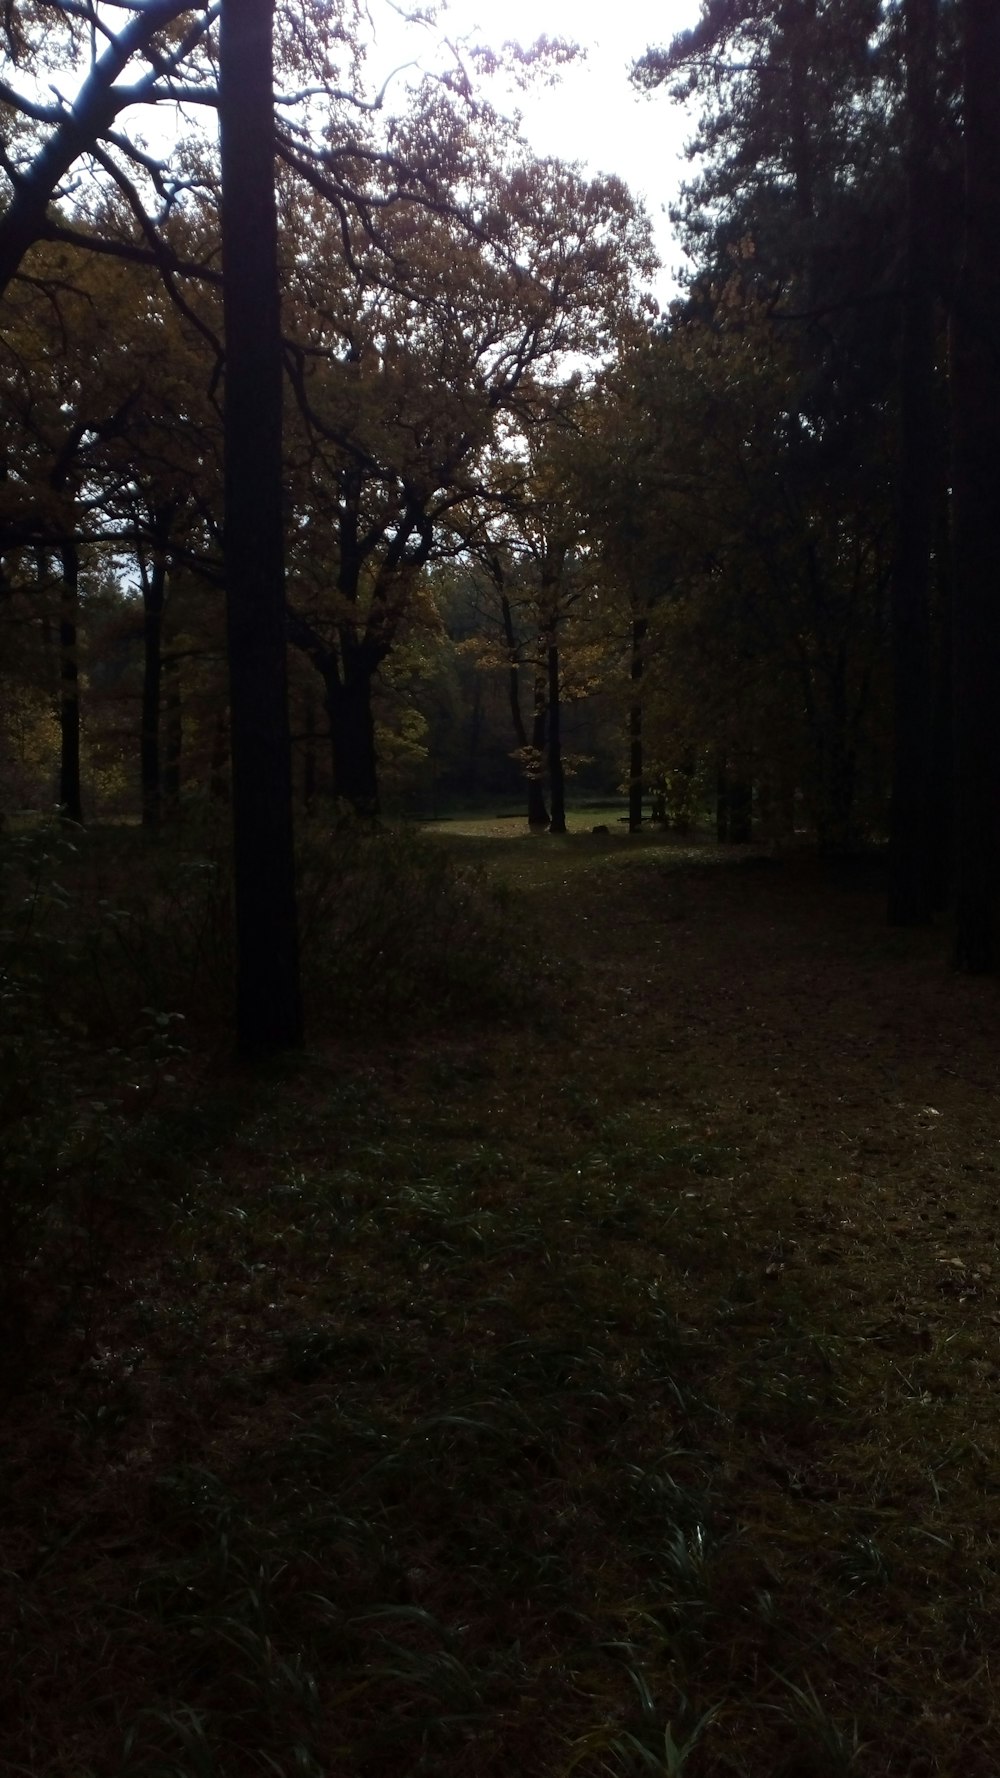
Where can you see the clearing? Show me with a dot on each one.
(609, 1389)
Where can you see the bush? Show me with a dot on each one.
(392, 929)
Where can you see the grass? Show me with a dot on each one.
(596, 1377)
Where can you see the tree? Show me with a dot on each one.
(911, 882)
(976, 408)
(269, 1014)
(443, 325)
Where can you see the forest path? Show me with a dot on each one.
(850, 1075)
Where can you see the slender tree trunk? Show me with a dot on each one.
(909, 902)
(173, 715)
(154, 584)
(269, 1016)
(70, 798)
(740, 811)
(640, 625)
(538, 814)
(722, 802)
(976, 390)
(942, 785)
(218, 762)
(475, 738)
(309, 761)
(557, 784)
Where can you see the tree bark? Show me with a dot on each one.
(538, 814)
(70, 797)
(174, 736)
(740, 811)
(640, 625)
(722, 802)
(557, 782)
(269, 1016)
(352, 737)
(910, 884)
(976, 392)
(154, 586)
(309, 759)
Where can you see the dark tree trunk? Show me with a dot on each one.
(218, 762)
(740, 811)
(557, 785)
(352, 739)
(942, 785)
(70, 798)
(154, 584)
(910, 899)
(173, 721)
(309, 761)
(640, 626)
(475, 738)
(722, 803)
(976, 389)
(513, 672)
(269, 1016)
(538, 814)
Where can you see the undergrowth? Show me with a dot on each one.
(116, 965)
(460, 1403)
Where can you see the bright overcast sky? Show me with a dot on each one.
(594, 115)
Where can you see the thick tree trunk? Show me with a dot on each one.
(640, 626)
(154, 585)
(352, 739)
(269, 1016)
(910, 895)
(976, 388)
(557, 783)
(70, 797)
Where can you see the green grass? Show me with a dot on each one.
(459, 1401)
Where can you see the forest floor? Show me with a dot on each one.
(609, 1389)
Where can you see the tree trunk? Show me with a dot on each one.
(174, 736)
(635, 756)
(740, 811)
(309, 761)
(976, 390)
(538, 814)
(557, 786)
(154, 583)
(218, 759)
(352, 738)
(70, 799)
(722, 803)
(942, 785)
(269, 1016)
(909, 902)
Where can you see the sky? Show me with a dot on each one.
(594, 115)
